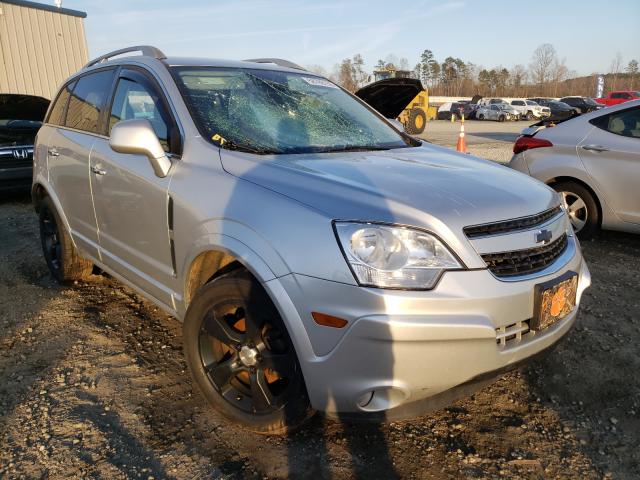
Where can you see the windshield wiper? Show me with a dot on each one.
(356, 148)
(230, 145)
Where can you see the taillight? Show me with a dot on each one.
(527, 143)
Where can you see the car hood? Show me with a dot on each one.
(427, 186)
(22, 107)
(391, 96)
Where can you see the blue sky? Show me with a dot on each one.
(587, 33)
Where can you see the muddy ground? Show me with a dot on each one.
(93, 385)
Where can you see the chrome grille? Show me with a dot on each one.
(513, 225)
(7, 159)
(510, 333)
(522, 262)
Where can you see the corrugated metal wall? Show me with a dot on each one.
(39, 49)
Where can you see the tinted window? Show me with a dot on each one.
(135, 100)
(87, 101)
(616, 95)
(520, 103)
(624, 122)
(56, 116)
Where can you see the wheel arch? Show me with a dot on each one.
(560, 179)
(217, 254)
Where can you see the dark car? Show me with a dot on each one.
(559, 111)
(584, 104)
(20, 119)
(455, 110)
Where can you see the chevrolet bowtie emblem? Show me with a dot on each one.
(543, 236)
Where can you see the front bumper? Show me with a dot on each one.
(401, 348)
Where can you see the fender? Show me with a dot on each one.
(228, 244)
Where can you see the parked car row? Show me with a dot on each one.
(537, 108)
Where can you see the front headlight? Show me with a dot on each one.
(388, 256)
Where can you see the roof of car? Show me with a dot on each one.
(218, 62)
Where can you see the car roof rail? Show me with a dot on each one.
(146, 50)
(276, 61)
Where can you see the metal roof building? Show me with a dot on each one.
(40, 46)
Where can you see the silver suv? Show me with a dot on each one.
(319, 258)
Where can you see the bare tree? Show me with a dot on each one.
(542, 63)
(632, 70)
(345, 75)
(359, 74)
(616, 68)
(403, 64)
(519, 77)
(558, 74)
(319, 69)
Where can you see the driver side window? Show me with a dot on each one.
(134, 100)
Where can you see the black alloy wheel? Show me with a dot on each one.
(246, 359)
(50, 237)
(241, 356)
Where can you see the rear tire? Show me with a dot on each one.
(417, 121)
(582, 208)
(241, 356)
(62, 257)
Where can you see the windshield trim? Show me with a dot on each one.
(174, 69)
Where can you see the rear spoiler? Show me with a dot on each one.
(536, 127)
(533, 129)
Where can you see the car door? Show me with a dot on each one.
(611, 156)
(69, 149)
(493, 112)
(131, 202)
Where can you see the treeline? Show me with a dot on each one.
(545, 75)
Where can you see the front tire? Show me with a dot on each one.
(64, 262)
(416, 122)
(241, 356)
(529, 115)
(581, 207)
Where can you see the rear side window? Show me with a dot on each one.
(56, 116)
(88, 100)
(135, 100)
(519, 103)
(624, 122)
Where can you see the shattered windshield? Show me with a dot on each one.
(274, 112)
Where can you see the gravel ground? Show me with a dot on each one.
(492, 140)
(93, 385)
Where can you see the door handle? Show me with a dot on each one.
(98, 171)
(595, 148)
(53, 152)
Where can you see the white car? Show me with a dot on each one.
(498, 112)
(529, 109)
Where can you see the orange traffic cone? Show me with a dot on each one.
(462, 145)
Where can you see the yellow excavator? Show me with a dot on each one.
(396, 95)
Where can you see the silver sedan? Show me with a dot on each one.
(497, 112)
(593, 161)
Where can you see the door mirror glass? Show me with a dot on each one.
(137, 136)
